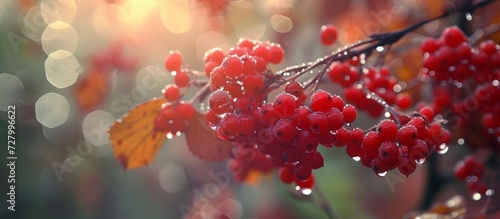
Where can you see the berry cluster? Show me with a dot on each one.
(451, 58)
(376, 80)
(175, 114)
(471, 171)
(388, 146)
(453, 63)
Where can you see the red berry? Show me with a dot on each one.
(335, 119)
(307, 141)
(302, 172)
(253, 84)
(214, 55)
(427, 112)
(453, 36)
(181, 79)
(173, 61)
(407, 166)
(286, 104)
(284, 130)
(233, 66)
(321, 101)
(300, 117)
(387, 130)
(407, 135)
(349, 113)
(318, 122)
(371, 143)
(388, 151)
(185, 110)
(328, 34)
(171, 93)
(276, 54)
(313, 160)
(308, 183)
(294, 88)
(220, 102)
(230, 125)
(403, 101)
(286, 174)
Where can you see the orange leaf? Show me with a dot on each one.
(133, 138)
(91, 89)
(202, 142)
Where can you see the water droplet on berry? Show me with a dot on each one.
(397, 88)
(202, 106)
(495, 82)
(443, 148)
(460, 141)
(387, 114)
(468, 16)
(357, 158)
(368, 96)
(170, 136)
(420, 161)
(382, 174)
(476, 196)
(178, 134)
(489, 192)
(380, 48)
(306, 191)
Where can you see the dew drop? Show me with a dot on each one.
(306, 191)
(380, 48)
(178, 134)
(495, 82)
(490, 192)
(460, 141)
(476, 196)
(382, 174)
(170, 136)
(357, 158)
(468, 16)
(420, 161)
(443, 148)
(387, 114)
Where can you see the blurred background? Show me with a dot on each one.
(74, 66)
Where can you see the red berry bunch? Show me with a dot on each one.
(471, 171)
(247, 160)
(389, 146)
(175, 115)
(451, 58)
(376, 80)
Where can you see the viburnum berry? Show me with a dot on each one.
(294, 88)
(308, 183)
(173, 61)
(407, 166)
(313, 160)
(284, 130)
(407, 135)
(307, 140)
(220, 102)
(230, 125)
(318, 122)
(427, 112)
(371, 143)
(387, 130)
(286, 174)
(403, 101)
(276, 54)
(302, 172)
(349, 113)
(388, 151)
(285, 103)
(335, 119)
(171, 93)
(186, 110)
(321, 101)
(328, 34)
(453, 36)
(181, 79)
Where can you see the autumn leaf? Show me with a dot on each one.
(202, 142)
(133, 138)
(91, 89)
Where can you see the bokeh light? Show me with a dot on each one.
(176, 16)
(95, 127)
(59, 36)
(62, 68)
(11, 89)
(281, 23)
(52, 110)
(172, 178)
(58, 10)
(34, 24)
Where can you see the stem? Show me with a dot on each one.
(324, 204)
